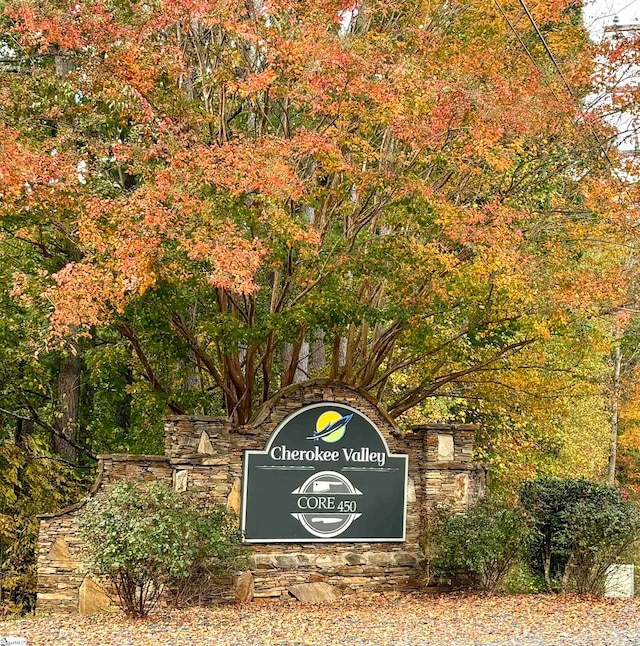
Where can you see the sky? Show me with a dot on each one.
(600, 13)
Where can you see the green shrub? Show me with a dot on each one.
(521, 580)
(145, 537)
(217, 556)
(580, 529)
(483, 543)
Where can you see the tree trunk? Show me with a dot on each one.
(302, 369)
(295, 365)
(317, 358)
(614, 416)
(66, 423)
(300, 372)
(342, 353)
(547, 564)
(191, 374)
(24, 429)
(566, 575)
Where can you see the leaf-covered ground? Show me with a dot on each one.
(436, 621)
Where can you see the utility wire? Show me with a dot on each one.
(613, 10)
(557, 67)
(562, 76)
(546, 47)
(534, 24)
(524, 46)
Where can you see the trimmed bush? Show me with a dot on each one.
(145, 537)
(580, 529)
(481, 544)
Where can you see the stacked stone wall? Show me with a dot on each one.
(63, 583)
(204, 456)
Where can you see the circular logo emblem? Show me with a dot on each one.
(327, 504)
(331, 426)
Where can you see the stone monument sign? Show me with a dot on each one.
(327, 490)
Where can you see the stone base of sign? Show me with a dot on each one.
(245, 587)
(92, 597)
(316, 592)
(203, 456)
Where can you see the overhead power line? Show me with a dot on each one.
(523, 45)
(560, 74)
(546, 48)
(534, 24)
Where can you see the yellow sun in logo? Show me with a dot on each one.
(325, 420)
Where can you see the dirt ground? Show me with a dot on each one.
(452, 620)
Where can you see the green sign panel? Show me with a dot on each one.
(326, 475)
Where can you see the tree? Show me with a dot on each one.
(624, 396)
(31, 482)
(581, 528)
(237, 184)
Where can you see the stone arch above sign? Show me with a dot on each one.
(291, 398)
(325, 475)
